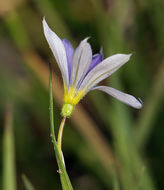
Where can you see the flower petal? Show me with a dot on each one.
(58, 50)
(81, 61)
(123, 97)
(104, 70)
(69, 52)
(96, 59)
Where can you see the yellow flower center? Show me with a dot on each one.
(72, 96)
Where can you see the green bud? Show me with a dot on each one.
(67, 110)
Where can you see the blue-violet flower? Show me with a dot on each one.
(82, 71)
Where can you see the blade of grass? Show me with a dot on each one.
(27, 183)
(9, 170)
(144, 125)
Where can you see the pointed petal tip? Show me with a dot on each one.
(138, 107)
(86, 39)
(124, 55)
(45, 25)
(65, 40)
(44, 20)
(130, 54)
(139, 104)
(58, 50)
(101, 50)
(127, 55)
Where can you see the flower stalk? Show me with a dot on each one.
(60, 135)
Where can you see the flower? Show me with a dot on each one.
(81, 71)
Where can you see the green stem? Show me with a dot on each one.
(51, 107)
(60, 135)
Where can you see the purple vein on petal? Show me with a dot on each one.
(96, 59)
(69, 53)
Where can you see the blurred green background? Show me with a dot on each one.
(107, 145)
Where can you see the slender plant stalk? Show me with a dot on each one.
(51, 106)
(65, 181)
(60, 134)
(9, 170)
